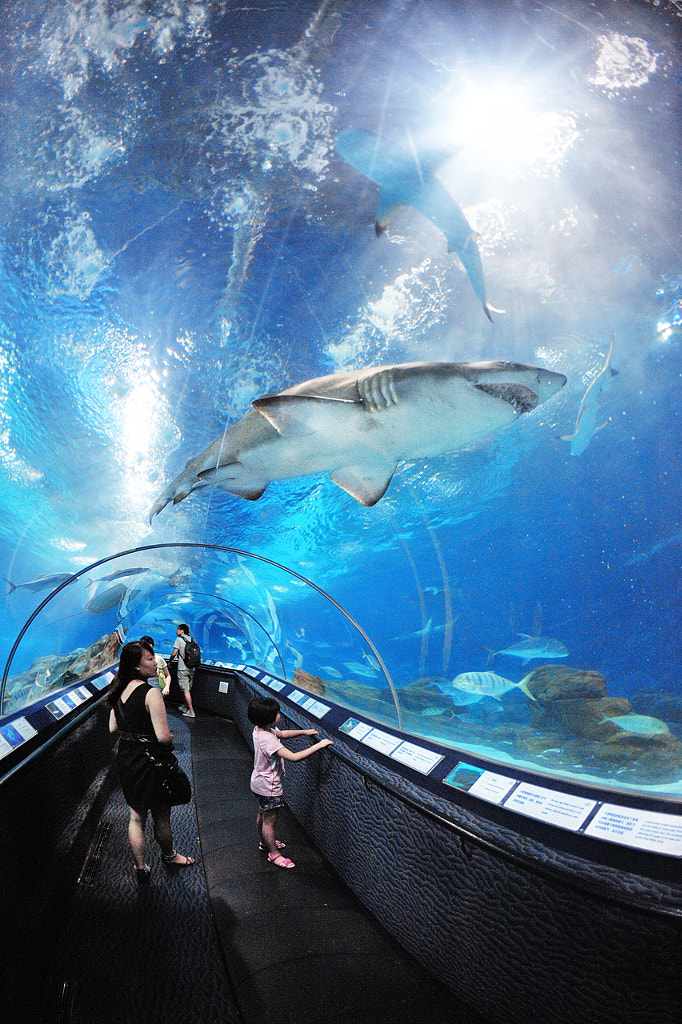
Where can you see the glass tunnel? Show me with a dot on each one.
(348, 333)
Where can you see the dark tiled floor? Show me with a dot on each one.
(233, 940)
(298, 945)
(132, 954)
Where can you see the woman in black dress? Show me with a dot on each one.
(138, 714)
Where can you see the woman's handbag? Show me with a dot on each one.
(170, 782)
(151, 770)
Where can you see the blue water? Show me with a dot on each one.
(179, 237)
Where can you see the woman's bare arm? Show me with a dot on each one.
(157, 710)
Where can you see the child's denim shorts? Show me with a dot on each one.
(269, 803)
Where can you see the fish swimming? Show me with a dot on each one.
(121, 573)
(42, 582)
(639, 725)
(330, 671)
(407, 178)
(106, 599)
(357, 426)
(418, 632)
(586, 423)
(358, 669)
(532, 647)
(485, 684)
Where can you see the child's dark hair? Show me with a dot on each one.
(263, 711)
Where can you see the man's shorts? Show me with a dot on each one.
(185, 680)
(269, 803)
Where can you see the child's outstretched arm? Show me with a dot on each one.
(299, 755)
(287, 734)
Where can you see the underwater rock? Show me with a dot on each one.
(660, 704)
(350, 694)
(559, 682)
(52, 671)
(587, 718)
(309, 682)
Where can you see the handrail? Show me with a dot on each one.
(520, 859)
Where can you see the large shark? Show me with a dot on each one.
(407, 178)
(586, 422)
(358, 426)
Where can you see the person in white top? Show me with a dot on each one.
(163, 677)
(185, 674)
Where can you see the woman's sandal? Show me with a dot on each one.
(172, 859)
(278, 844)
(143, 875)
(280, 861)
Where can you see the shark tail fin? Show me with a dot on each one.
(12, 586)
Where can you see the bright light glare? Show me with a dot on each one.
(137, 420)
(497, 124)
(138, 429)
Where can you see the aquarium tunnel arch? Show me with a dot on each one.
(130, 600)
(253, 269)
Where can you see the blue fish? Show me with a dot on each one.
(407, 178)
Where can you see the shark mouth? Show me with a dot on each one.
(521, 398)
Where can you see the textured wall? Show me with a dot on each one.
(521, 946)
(48, 811)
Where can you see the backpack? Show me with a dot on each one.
(192, 656)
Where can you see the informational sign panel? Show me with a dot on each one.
(13, 734)
(356, 729)
(645, 830)
(316, 707)
(381, 741)
(418, 758)
(549, 805)
(485, 785)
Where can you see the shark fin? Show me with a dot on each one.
(488, 309)
(362, 483)
(251, 492)
(386, 211)
(293, 415)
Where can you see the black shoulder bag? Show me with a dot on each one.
(165, 782)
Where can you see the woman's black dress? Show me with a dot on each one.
(137, 738)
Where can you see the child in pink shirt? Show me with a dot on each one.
(268, 770)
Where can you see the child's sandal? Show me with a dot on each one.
(280, 861)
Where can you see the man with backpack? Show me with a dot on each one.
(187, 654)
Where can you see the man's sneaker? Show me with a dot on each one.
(188, 714)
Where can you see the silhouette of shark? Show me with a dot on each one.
(407, 178)
(586, 423)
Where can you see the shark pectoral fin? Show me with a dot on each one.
(222, 478)
(387, 208)
(365, 484)
(602, 425)
(243, 491)
(489, 309)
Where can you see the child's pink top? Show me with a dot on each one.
(268, 768)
